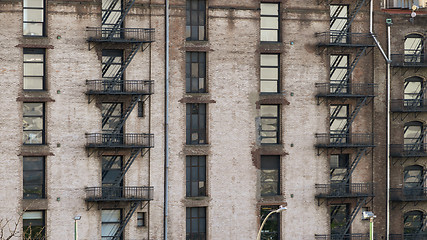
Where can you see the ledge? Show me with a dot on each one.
(202, 149)
(202, 201)
(35, 150)
(271, 47)
(34, 204)
(197, 99)
(34, 99)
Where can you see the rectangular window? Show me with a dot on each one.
(196, 176)
(196, 223)
(269, 73)
(111, 12)
(339, 218)
(141, 112)
(270, 22)
(271, 228)
(339, 164)
(111, 116)
(112, 167)
(33, 123)
(33, 14)
(338, 123)
(34, 177)
(112, 61)
(140, 220)
(270, 175)
(196, 123)
(34, 68)
(339, 23)
(270, 124)
(195, 20)
(110, 223)
(195, 72)
(34, 226)
(338, 73)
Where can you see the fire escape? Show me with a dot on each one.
(345, 49)
(117, 98)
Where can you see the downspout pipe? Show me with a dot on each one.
(166, 147)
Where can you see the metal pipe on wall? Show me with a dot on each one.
(388, 129)
(166, 166)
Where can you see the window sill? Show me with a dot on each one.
(271, 47)
(272, 200)
(35, 204)
(196, 201)
(201, 149)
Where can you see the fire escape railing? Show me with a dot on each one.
(409, 60)
(344, 190)
(408, 105)
(408, 194)
(408, 150)
(346, 90)
(97, 194)
(350, 236)
(328, 39)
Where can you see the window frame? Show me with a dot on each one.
(43, 130)
(263, 167)
(26, 226)
(200, 179)
(408, 99)
(201, 118)
(105, 128)
(43, 29)
(106, 223)
(141, 220)
(278, 126)
(41, 51)
(275, 217)
(43, 177)
(278, 80)
(188, 21)
(414, 52)
(334, 33)
(201, 71)
(199, 220)
(278, 35)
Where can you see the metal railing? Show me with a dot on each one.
(96, 194)
(119, 140)
(350, 236)
(409, 236)
(405, 3)
(409, 60)
(408, 194)
(408, 150)
(408, 105)
(102, 34)
(344, 140)
(337, 38)
(120, 87)
(338, 190)
(345, 90)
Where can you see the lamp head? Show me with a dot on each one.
(77, 217)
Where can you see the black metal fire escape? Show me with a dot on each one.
(342, 89)
(119, 94)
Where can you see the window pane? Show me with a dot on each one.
(269, 60)
(269, 73)
(33, 69)
(33, 15)
(33, 57)
(269, 86)
(33, 109)
(33, 3)
(269, 35)
(33, 29)
(269, 9)
(32, 137)
(33, 163)
(269, 22)
(269, 110)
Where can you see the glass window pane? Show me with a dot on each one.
(269, 60)
(269, 110)
(269, 8)
(33, 15)
(269, 73)
(33, 69)
(270, 22)
(269, 86)
(32, 137)
(33, 3)
(33, 109)
(33, 29)
(269, 35)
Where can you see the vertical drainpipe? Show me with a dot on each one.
(166, 183)
(388, 128)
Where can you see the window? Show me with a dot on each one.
(414, 92)
(111, 116)
(33, 18)
(196, 176)
(196, 223)
(338, 123)
(112, 61)
(269, 73)
(414, 48)
(339, 165)
(269, 22)
(110, 223)
(270, 121)
(34, 68)
(196, 123)
(339, 23)
(413, 136)
(140, 219)
(270, 175)
(195, 72)
(338, 73)
(112, 167)
(340, 215)
(413, 179)
(34, 177)
(413, 223)
(33, 123)
(406, 3)
(196, 20)
(111, 12)
(271, 230)
(34, 225)
(141, 112)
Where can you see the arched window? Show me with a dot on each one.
(414, 48)
(413, 92)
(413, 136)
(413, 179)
(413, 223)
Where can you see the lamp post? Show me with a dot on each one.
(76, 218)
(369, 215)
(281, 209)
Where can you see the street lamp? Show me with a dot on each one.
(281, 209)
(369, 215)
(76, 218)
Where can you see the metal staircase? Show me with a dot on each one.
(353, 214)
(125, 221)
(345, 29)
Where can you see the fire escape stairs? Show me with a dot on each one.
(133, 207)
(352, 217)
(345, 29)
(344, 81)
(121, 18)
(359, 155)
